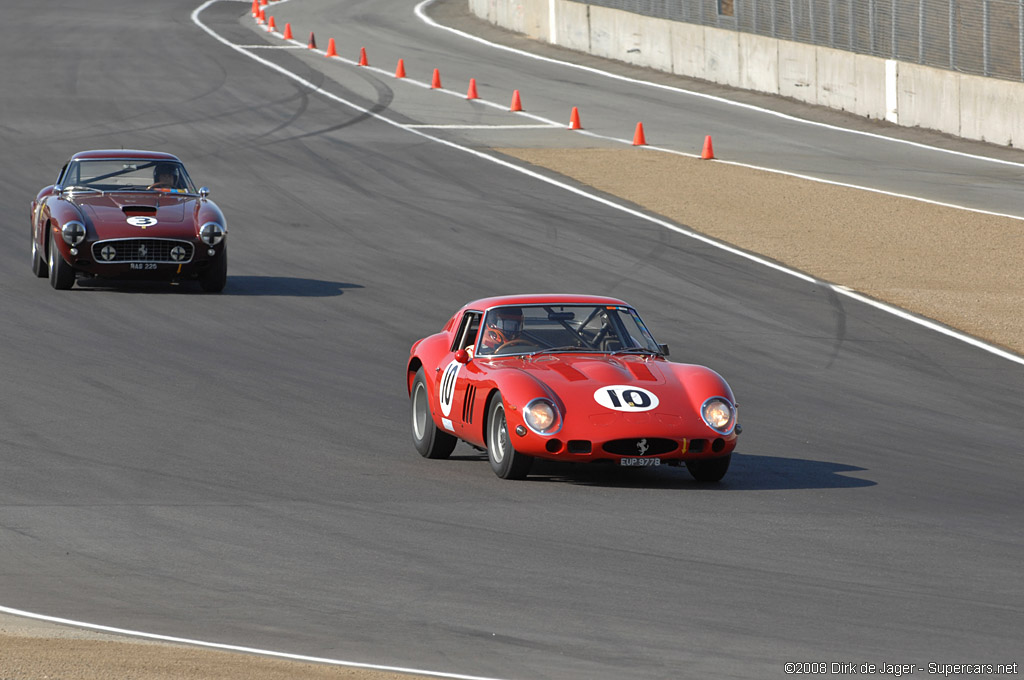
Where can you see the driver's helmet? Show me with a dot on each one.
(161, 170)
(503, 325)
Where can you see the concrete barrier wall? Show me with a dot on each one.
(922, 97)
(535, 18)
(758, 63)
(798, 71)
(870, 80)
(990, 111)
(687, 49)
(572, 25)
(722, 56)
(967, 106)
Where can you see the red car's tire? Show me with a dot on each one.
(709, 469)
(429, 440)
(62, 275)
(506, 462)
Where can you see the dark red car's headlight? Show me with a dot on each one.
(73, 232)
(212, 233)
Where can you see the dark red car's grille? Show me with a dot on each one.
(142, 250)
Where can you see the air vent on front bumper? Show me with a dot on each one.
(117, 251)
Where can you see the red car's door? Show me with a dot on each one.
(455, 386)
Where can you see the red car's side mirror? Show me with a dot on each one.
(462, 356)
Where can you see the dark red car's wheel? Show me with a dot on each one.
(215, 278)
(62, 275)
(39, 266)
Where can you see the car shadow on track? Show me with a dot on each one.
(747, 472)
(257, 286)
(285, 286)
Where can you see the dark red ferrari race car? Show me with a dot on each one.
(121, 214)
(566, 377)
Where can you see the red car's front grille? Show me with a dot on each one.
(641, 446)
(117, 251)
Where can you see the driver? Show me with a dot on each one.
(165, 176)
(503, 326)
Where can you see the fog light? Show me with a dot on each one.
(520, 430)
(211, 252)
(74, 251)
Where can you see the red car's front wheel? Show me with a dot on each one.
(709, 469)
(506, 462)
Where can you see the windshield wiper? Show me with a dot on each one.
(566, 348)
(636, 350)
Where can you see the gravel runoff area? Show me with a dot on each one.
(957, 267)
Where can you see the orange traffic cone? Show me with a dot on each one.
(471, 92)
(517, 105)
(288, 31)
(708, 153)
(271, 26)
(263, 2)
(363, 61)
(435, 81)
(255, 7)
(638, 136)
(260, 18)
(312, 41)
(332, 50)
(574, 119)
(400, 69)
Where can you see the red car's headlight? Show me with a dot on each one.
(542, 416)
(719, 414)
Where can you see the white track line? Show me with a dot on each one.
(485, 127)
(233, 648)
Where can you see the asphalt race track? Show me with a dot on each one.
(237, 468)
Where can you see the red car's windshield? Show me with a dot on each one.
(580, 328)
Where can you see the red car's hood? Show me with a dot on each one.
(599, 369)
(115, 209)
(575, 378)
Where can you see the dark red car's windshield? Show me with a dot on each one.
(127, 175)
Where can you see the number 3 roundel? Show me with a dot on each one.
(626, 398)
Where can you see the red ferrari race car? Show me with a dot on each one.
(566, 377)
(127, 215)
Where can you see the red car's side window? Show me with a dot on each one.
(465, 337)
